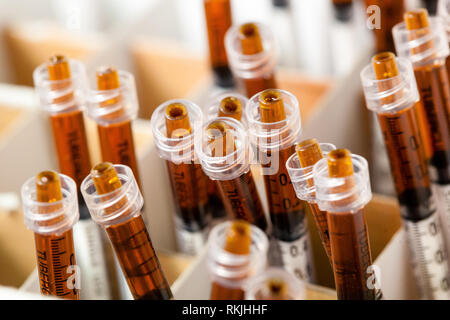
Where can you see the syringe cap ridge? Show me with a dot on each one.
(50, 217)
(344, 194)
(302, 178)
(391, 94)
(50, 90)
(408, 43)
(253, 65)
(230, 166)
(233, 270)
(275, 136)
(125, 97)
(176, 150)
(116, 206)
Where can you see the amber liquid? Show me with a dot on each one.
(215, 202)
(71, 144)
(407, 159)
(138, 260)
(117, 145)
(286, 210)
(253, 86)
(190, 190)
(242, 201)
(218, 21)
(219, 292)
(320, 218)
(434, 88)
(55, 256)
(351, 255)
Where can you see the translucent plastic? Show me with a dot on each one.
(302, 178)
(355, 195)
(113, 106)
(275, 284)
(177, 150)
(393, 94)
(62, 215)
(409, 43)
(229, 166)
(233, 270)
(251, 66)
(54, 94)
(273, 136)
(117, 206)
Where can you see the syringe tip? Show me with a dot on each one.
(105, 178)
(177, 120)
(250, 38)
(384, 65)
(238, 238)
(308, 152)
(340, 163)
(271, 106)
(416, 19)
(107, 78)
(220, 140)
(230, 107)
(58, 67)
(48, 187)
(277, 289)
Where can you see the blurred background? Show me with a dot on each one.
(322, 46)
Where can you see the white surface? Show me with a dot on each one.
(9, 293)
(28, 149)
(397, 280)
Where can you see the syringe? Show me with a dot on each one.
(391, 91)
(424, 42)
(218, 21)
(50, 210)
(60, 84)
(113, 105)
(274, 125)
(223, 150)
(275, 284)
(174, 124)
(115, 202)
(237, 251)
(300, 166)
(251, 53)
(342, 190)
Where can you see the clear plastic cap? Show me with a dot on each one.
(55, 95)
(409, 43)
(222, 166)
(50, 217)
(393, 94)
(214, 104)
(260, 286)
(443, 10)
(233, 270)
(117, 206)
(344, 194)
(116, 105)
(302, 178)
(177, 150)
(249, 66)
(275, 135)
